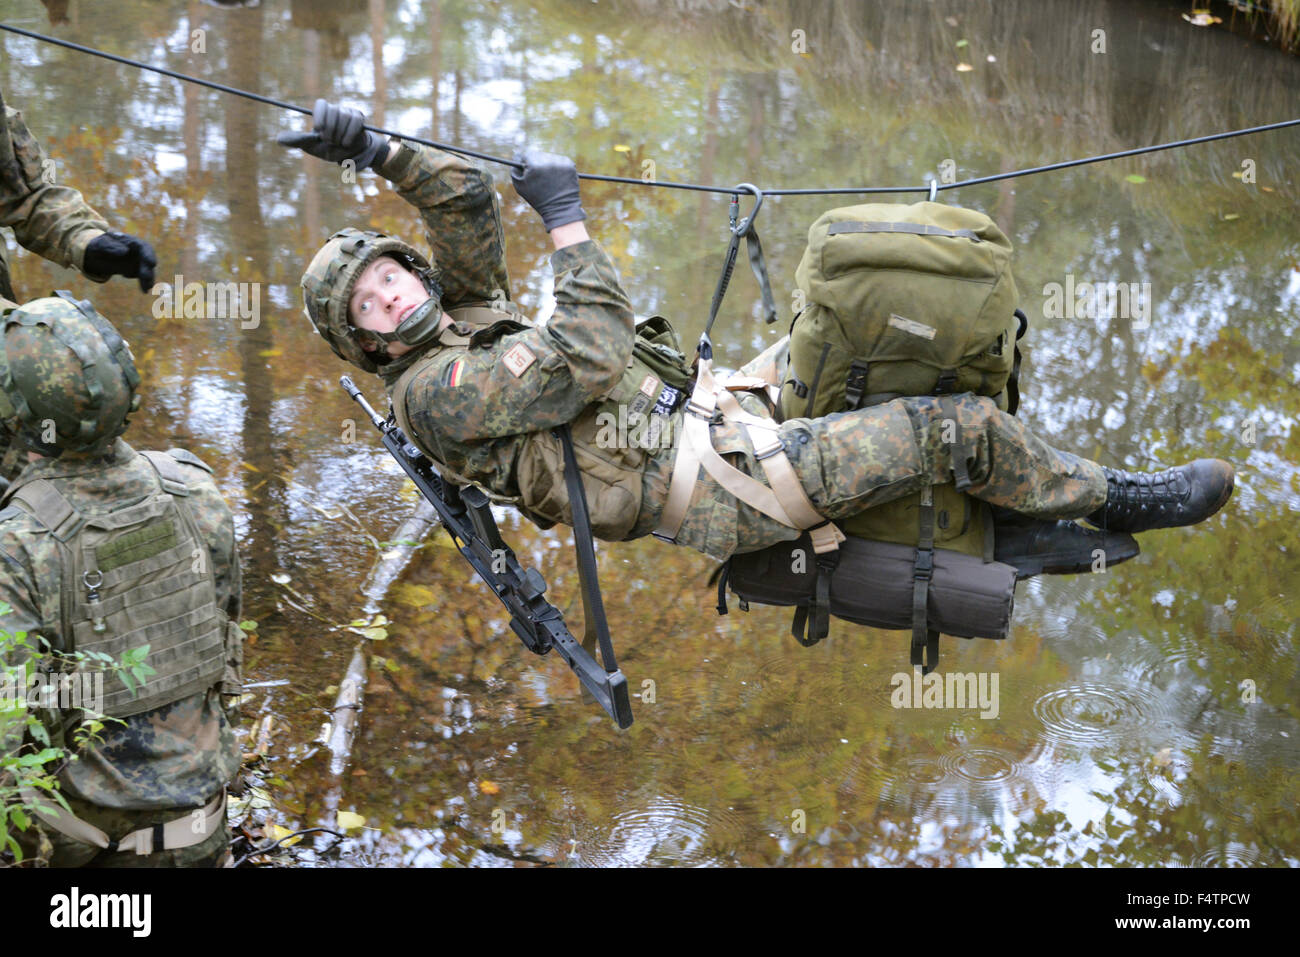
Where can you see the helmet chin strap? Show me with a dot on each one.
(414, 330)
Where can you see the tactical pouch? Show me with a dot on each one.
(872, 585)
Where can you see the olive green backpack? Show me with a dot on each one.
(906, 301)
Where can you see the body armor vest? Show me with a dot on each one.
(137, 575)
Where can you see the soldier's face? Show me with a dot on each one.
(386, 293)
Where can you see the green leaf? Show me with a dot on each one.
(248, 625)
(129, 682)
(963, 43)
(1135, 178)
(39, 732)
(20, 818)
(39, 758)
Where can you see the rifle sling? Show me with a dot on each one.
(593, 608)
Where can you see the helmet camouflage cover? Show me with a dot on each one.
(332, 275)
(68, 377)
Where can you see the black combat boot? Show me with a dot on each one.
(1139, 501)
(1037, 547)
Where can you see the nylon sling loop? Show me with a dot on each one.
(744, 229)
(596, 628)
(925, 640)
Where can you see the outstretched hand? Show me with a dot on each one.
(338, 134)
(120, 254)
(549, 183)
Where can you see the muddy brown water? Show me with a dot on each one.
(1146, 715)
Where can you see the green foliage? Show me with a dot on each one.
(30, 759)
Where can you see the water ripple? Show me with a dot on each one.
(1090, 712)
(661, 831)
(986, 766)
(1229, 855)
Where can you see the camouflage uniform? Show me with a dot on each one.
(50, 220)
(478, 412)
(162, 763)
(158, 540)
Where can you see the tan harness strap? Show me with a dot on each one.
(784, 500)
(448, 338)
(826, 536)
(731, 409)
(183, 832)
(686, 472)
(749, 490)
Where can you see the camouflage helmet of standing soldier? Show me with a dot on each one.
(332, 275)
(68, 377)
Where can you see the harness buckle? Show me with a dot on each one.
(697, 410)
(767, 452)
(924, 567)
(947, 383)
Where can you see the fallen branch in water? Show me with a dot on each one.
(338, 734)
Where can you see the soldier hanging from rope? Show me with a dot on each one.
(478, 387)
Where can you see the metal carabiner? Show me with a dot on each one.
(742, 229)
(747, 223)
(934, 189)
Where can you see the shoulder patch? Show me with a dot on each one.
(189, 458)
(454, 374)
(518, 358)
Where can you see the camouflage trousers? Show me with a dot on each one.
(852, 461)
(64, 851)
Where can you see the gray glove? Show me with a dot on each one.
(549, 184)
(337, 135)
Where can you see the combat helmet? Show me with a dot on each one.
(68, 376)
(328, 283)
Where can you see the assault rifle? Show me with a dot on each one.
(466, 514)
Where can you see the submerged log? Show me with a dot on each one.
(339, 733)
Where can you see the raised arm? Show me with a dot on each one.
(462, 220)
(55, 221)
(544, 376)
(52, 221)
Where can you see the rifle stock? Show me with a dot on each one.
(466, 514)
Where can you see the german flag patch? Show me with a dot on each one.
(455, 373)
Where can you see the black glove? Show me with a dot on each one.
(337, 135)
(549, 184)
(120, 254)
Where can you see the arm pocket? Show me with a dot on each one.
(232, 676)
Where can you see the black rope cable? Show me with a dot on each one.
(1051, 166)
(931, 187)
